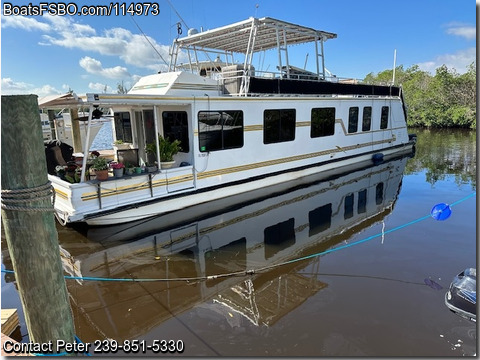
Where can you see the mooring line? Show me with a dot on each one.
(253, 271)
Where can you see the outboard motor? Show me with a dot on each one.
(461, 297)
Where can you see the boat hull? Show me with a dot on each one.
(248, 189)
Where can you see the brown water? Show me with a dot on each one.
(372, 280)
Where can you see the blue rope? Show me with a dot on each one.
(88, 278)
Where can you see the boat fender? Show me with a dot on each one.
(377, 158)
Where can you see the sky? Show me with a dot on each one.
(48, 55)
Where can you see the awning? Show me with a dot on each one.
(236, 37)
(65, 100)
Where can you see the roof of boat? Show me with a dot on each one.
(236, 37)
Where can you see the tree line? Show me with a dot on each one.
(446, 99)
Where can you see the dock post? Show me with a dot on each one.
(29, 224)
(77, 139)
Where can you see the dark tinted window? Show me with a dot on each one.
(278, 126)
(322, 122)
(353, 119)
(175, 127)
(220, 130)
(367, 118)
(384, 118)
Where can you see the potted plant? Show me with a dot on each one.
(117, 168)
(61, 170)
(121, 145)
(168, 149)
(129, 168)
(151, 167)
(100, 165)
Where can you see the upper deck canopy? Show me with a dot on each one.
(237, 37)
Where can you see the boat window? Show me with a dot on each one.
(384, 118)
(348, 206)
(175, 127)
(123, 126)
(367, 118)
(279, 237)
(379, 194)
(320, 219)
(353, 119)
(323, 122)
(362, 201)
(220, 130)
(278, 125)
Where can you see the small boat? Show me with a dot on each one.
(60, 128)
(461, 297)
(240, 129)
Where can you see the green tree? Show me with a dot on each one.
(447, 99)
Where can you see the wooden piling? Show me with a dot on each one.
(77, 139)
(29, 224)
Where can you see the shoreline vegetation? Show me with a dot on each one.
(445, 100)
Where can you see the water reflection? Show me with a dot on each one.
(444, 152)
(266, 233)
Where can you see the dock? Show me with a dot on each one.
(10, 324)
(9, 321)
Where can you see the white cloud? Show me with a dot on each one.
(25, 23)
(12, 87)
(133, 49)
(95, 67)
(466, 31)
(458, 61)
(98, 87)
(68, 33)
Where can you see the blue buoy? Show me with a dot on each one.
(441, 212)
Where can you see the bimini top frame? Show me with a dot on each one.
(248, 37)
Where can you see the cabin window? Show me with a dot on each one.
(175, 127)
(123, 126)
(362, 201)
(384, 118)
(320, 219)
(323, 122)
(348, 207)
(367, 118)
(220, 130)
(278, 125)
(353, 119)
(279, 237)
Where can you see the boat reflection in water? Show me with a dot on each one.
(306, 220)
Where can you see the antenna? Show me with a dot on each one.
(394, 66)
(256, 8)
(161, 57)
(176, 12)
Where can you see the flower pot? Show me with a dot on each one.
(138, 170)
(167, 164)
(129, 171)
(118, 172)
(151, 169)
(101, 174)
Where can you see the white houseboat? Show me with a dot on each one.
(240, 129)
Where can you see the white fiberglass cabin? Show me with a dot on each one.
(240, 129)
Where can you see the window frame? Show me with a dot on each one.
(322, 125)
(237, 145)
(353, 119)
(280, 135)
(364, 122)
(384, 117)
